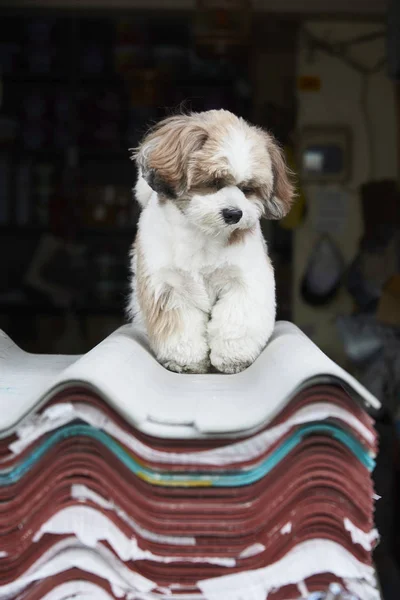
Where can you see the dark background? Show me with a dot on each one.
(78, 92)
(80, 86)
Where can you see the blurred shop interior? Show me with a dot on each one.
(80, 84)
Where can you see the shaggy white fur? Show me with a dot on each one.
(203, 286)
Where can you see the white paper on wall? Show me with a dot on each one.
(331, 210)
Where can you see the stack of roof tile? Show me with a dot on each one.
(119, 479)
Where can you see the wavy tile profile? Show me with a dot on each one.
(157, 401)
(119, 479)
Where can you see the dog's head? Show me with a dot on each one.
(222, 173)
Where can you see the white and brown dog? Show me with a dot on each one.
(203, 285)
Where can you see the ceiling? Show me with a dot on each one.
(317, 7)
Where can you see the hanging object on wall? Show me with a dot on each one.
(323, 274)
(222, 27)
(380, 229)
(325, 154)
(375, 263)
(331, 210)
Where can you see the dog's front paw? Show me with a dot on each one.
(186, 357)
(233, 356)
(202, 366)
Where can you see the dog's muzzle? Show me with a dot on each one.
(232, 216)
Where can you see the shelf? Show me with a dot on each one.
(130, 230)
(106, 80)
(93, 151)
(30, 310)
(33, 230)
(22, 230)
(38, 79)
(58, 153)
(40, 153)
(80, 79)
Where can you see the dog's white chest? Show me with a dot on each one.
(194, 253)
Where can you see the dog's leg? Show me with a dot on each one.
(175, 309)
(242, 320)
(184, 350)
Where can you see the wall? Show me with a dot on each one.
(338, 102)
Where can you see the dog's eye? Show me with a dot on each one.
(247, 190)
(217, 183)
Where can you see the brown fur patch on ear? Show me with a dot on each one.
(161, 320)
(164, 154)
(238, 236)
(283, 195)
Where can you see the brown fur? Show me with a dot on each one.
(161, 321)
(283, 193)
(168, 148)
(238, 236)
(183, 149)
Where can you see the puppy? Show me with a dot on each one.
(203, 285)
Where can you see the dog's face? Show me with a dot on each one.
(221, 172)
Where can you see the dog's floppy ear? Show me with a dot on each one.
(280, 201)
(164, 155)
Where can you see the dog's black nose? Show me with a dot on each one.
(232, 215)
